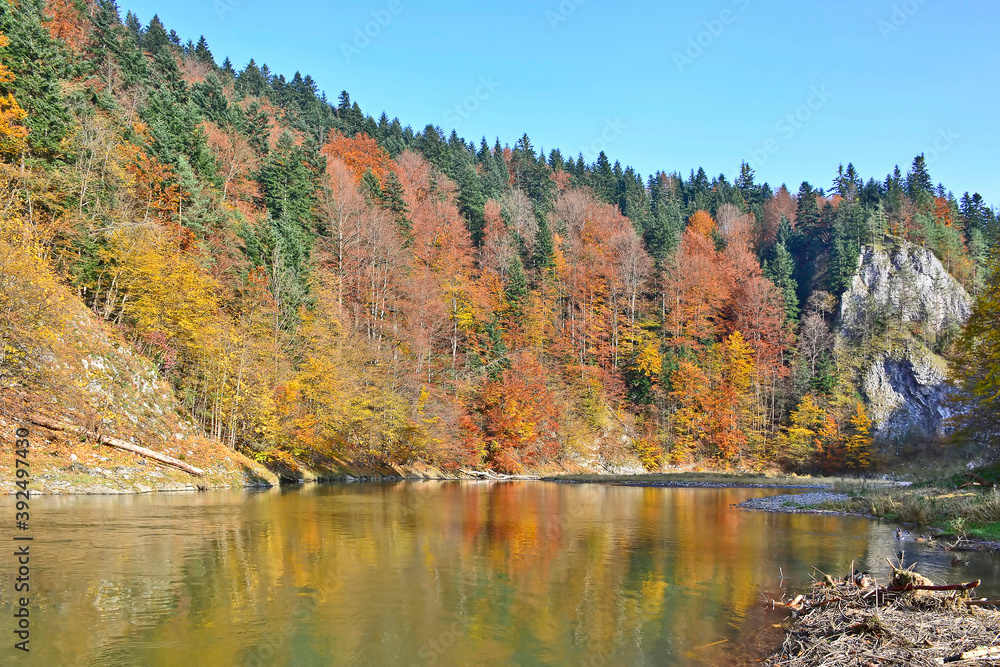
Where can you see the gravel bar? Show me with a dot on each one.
(792, 502)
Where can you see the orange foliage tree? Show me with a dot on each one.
(520, 418)
(67, 23)
(360, 154)
(696, 287)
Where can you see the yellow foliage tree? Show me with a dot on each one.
(690, 422)
(162, 291)
(858, 447)
(803, 436)
(977, 370)
(343, 400)
(33, 319)
(733, 404)
(12, 132)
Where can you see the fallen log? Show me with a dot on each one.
(489, 474)
(951, 587)
(52, 425)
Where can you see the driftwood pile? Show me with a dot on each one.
(903, 620)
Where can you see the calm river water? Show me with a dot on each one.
(427, 573)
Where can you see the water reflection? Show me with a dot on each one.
(428, 573)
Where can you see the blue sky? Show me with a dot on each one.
(793, 89)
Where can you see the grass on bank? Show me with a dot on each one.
(950, 505)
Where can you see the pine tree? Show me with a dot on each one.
(257, 128)
(251, 81)
(203, 53)
(666, 223)
(847, 184)
(389, 196)
(433, 147)
(154, 37)
(544, 249)
(37, 64)
(633, 201)
(753, 194)
(780, 270)
(556, 161)
(134, 27)
(919, 186)
(807, 214)
(516, 288)
(531, 176)
(603, 181)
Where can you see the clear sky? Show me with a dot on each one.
(793, 88)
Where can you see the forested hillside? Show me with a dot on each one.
(315, 282)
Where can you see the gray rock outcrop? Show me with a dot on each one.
(904, 294)
(908, 393)
(907, 282)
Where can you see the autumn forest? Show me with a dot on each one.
(317, 283)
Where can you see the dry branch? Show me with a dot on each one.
(983, 653)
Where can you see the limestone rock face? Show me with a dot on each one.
(905, 385)
(908, 394)
(909, 281)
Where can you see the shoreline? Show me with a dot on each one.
(77, 480)
(839, 504)
(817, 495)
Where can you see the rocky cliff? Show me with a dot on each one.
(900, 311)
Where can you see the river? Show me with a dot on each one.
(428, 573)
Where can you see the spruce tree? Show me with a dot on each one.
(203, 53)
(807, 215)
(780, 269)
(134, 27)
(38, 64)
(544, 250)
(919, 186)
